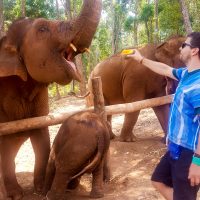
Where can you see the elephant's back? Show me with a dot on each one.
(110, 71)
(78, 141)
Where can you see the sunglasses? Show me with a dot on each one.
(186, 44)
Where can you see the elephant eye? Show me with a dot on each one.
(43, 29)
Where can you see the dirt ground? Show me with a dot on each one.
(131, 163)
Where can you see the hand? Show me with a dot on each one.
(136, 56)
(194, 175)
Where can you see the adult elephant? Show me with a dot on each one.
(34, 53)
(124, 80)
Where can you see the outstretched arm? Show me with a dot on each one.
(159, 68)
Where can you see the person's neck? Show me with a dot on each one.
(194, 64)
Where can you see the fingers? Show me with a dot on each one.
(136, 55)
(194, 181)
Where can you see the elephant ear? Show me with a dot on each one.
(10, 62)
(163, 53)
(168, 52)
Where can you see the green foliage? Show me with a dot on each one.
(122, 21)
(128, 25)
(34, 8)
(147, 13)
(38, 8)
(170, 19)
(9, 14)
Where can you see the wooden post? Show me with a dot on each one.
(99, 106)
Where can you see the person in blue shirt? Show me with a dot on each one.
(177, 176)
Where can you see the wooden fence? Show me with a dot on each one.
(53, 119)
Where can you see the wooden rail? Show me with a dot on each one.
(53, 119)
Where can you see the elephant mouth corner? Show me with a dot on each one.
(68, 57)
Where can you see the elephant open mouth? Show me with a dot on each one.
(69, 60)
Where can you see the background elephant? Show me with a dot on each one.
(34, 53)
(124, 80)
(80, 146)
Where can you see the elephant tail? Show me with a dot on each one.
(89, 167)
(102, 147)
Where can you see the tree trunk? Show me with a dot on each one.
(156, 31)
(186, 19)
(116, 33)
(58, 96)
(68, 11)
(135, 25)
(82, 84)
(57, 10)
(147, 31)
(1, 19)
(23, 8)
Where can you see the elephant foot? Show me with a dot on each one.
(38, 189)
(38, 185)
(106, 176)
(15, 193)
(96, 194)
(129, 138)
(54, 196)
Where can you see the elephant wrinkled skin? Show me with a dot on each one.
(124, 80)
(34, 53)
(81, 145)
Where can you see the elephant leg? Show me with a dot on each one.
(106, 167)
(73, 184)
(9, 147)
(41, 146)
(129, 122)
(97, 181)
(109, 119)
(162, 113)
(58, 187)
(50, 174)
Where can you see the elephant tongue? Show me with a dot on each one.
(76, 74)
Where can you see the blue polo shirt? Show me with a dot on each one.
(184, 120)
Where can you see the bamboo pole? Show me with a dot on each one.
(53, 119)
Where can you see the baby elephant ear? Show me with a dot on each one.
(10, 62)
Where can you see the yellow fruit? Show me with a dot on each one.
(127, 51)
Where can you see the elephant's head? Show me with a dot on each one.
(169, 53)
(45, 49)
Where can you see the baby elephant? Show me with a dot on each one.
(81, 146)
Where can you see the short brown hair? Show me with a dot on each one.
(195, 40)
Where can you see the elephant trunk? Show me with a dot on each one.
(77, 34)
(86, 24)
